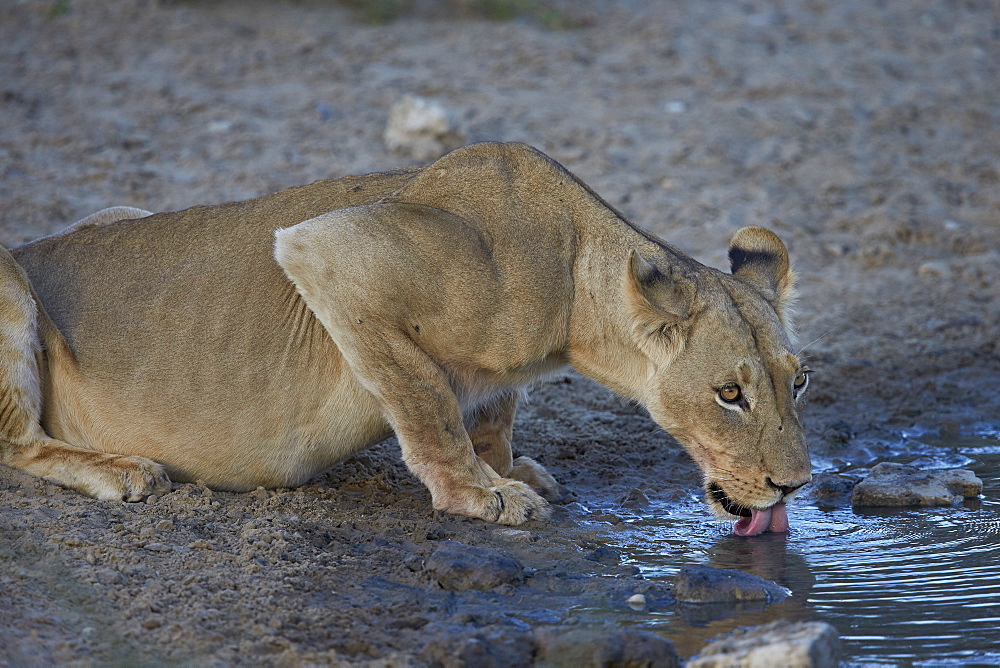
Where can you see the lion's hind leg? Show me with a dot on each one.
(23, 442)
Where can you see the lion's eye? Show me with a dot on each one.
(801, 380)
(730, 393)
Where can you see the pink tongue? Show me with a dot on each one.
(773, 519)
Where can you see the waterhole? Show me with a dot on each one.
(902, 587)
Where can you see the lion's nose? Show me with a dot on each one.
(789, 488)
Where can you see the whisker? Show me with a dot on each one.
(818, 339)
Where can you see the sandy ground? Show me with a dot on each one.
(865, 134)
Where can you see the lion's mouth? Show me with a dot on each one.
(719, 495)
(754, 521)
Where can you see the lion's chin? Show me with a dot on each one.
(753, 521)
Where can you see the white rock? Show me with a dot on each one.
(636, 602)
(781, 643)
(422, 129)
(891, 484)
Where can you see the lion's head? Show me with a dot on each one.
(723, 379)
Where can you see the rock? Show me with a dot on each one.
(576, 647)
(604, 555)
(421, 129)
(830, 489)
(108, 576)
(897, 485)
(704, 584)
(781, 643)
(461, 567)
(485, 647)
(635, 499)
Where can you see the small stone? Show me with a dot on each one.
(514, 535)
(704, 584)
(422, 129)
(891, 484)
(636, 602)
(109, 576)
(781, 643)
(151, 624)
(934, 268)
(414, 562)
(574, 646)
(462, 567)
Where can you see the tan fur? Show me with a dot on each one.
(259, 342)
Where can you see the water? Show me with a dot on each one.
(901, 586)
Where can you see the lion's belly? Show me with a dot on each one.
(274, 428)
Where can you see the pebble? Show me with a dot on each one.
(891, 484)
(636, 602)
(514, 535)
(782, 643)
(704, 584)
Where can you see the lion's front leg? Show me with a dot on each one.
(491, 429)
(422, 407)
(391, 282)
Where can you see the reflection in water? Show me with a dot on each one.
(766, 556)
(902, 586)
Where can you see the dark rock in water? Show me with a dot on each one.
(604, 555)
(704, 584)
(461, 567)
(897, 485)
(488, 647)
(781, 643)
(576, 647)
(831, 489)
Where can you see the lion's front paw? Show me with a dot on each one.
(504, 502)
(528, 471)
(126, 478)
(517, 503)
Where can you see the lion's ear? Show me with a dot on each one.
(659, 301)
(759, 257)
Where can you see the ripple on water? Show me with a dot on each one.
(901, 586)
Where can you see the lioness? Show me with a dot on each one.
(259, 342)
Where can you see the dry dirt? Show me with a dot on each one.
(863, 133)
